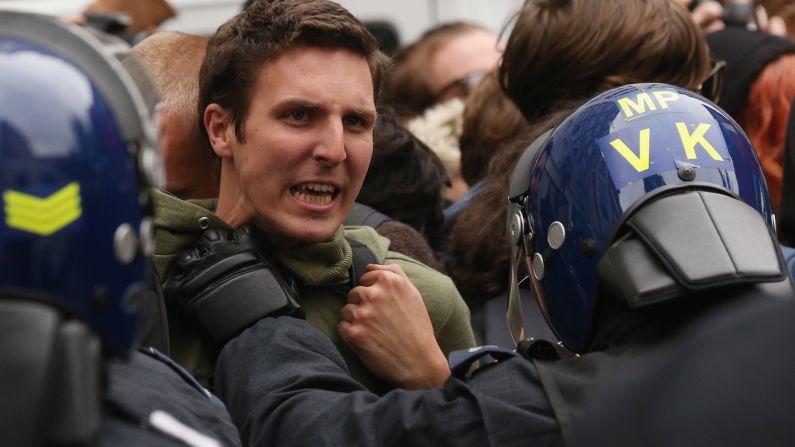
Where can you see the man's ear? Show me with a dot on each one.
(220, 129)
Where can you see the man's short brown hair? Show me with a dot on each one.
(264, 30)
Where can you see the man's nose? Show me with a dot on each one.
(330, 149)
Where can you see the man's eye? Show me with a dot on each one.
(298, 115)
(355, 121)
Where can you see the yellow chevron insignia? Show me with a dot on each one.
(43, 215)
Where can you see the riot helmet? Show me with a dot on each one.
(78, 155)
(578, 185)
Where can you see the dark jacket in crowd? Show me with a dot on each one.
(262, 377)
(507, 401)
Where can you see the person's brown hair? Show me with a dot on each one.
(478, 246)
(560, 53)
(264, 30)
(785, 9)
(491, 123)
(405, 177)
(408, 88)
(576, 48)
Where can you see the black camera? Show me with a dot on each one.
(111, 23)
(114, 24)
(734, 14)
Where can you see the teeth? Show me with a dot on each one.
(317, 187)
(313, 198)
(317, 193)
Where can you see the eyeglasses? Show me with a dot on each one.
(712, 85)
(459, 88)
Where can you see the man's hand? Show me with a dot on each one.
(387, 325)
(227, 285)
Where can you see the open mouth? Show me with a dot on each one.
(315, 193)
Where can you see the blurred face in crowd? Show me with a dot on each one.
(460, 63)
(306, 144)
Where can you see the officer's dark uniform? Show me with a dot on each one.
(149, 385)
(625, 250)
(729, 381)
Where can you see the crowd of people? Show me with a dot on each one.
(279, 235)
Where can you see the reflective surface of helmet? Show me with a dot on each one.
(574, 185)
(77, 152)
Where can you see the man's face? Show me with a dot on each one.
(308, 142)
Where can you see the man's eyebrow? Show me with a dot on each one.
(297, 102)
(366, 111)
(289, 102)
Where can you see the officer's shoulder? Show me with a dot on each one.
(150, 361)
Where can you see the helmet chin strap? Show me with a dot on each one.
(521, 236)
(520, 231)
(514, 312)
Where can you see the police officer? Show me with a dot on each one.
(77, 157)
(640, 214)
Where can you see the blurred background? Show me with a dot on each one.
(407, 19)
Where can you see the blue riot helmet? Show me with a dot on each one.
(580, 187)
(77, 156)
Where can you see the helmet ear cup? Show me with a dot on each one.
(56, 364)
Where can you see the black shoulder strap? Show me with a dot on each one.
(363, 215)
(155, 332)
(362, 255)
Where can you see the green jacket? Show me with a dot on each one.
(323, 272)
